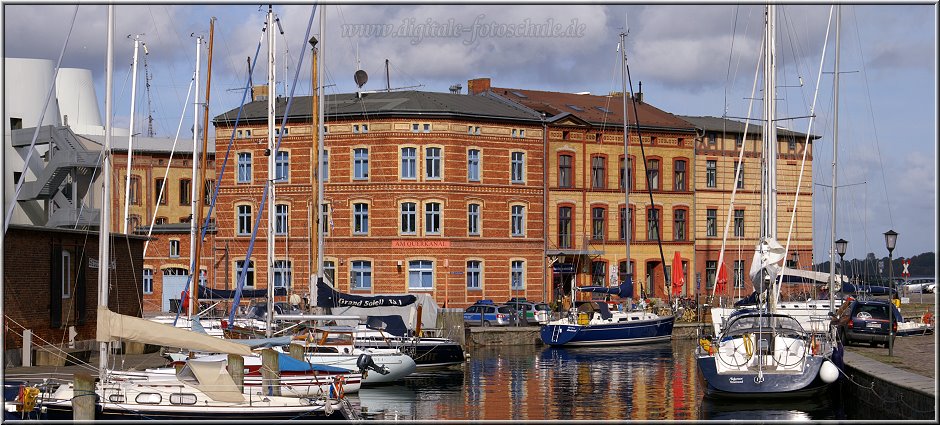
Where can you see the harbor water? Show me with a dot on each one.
(534, 382)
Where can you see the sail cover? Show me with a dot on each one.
(329, 297)
(625, 290)
(764, 266)
(112, 326)
(212, 379)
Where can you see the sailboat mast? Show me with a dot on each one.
(321, 124)
(104, 230)
(769, 192)
(271, 174)
(835, 154)
(203, 165)
(130, 137)
(193, 219)
(314, 207)
(626, 155)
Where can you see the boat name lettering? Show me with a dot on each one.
(736, 380)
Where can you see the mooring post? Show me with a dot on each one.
(297, 351)
(236, 369)
(84, 397)
(269, 372)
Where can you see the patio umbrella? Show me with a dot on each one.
(722, 278)
(678, 277)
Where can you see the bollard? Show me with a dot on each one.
(270, 372)
(236, 369)
(297, 351)
(27, 348)
(84, 397)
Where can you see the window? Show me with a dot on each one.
(174, 248)
(474, 272)
(711, 222)
(16, 123)
(598, 172)
(738, 273)
(518, 220)
(711, 173)
(326, 224)
(281, 167)
(244, 220)
(185, 191)
(365, 128)
(160, 220)
(473, 165)
(409, 163)
(679, 176)
(67, 274)
(564, 171)
(282, 273)
(208, 187)
(624, 174)
(515, 133)
(414, 128)
(360, 275)
(133, 196)
(280, 219)
(427, 128)
(133, 221)
(473, 219)
(329, 270)
(652, 173)
(355, 128)
(244, 167)
(360, 219)
(432, 160)
(249, 272)
(739, 172)
(240, 134)
(738, 140)
(157, 188)
(678, 228)
(598, 273)
(622, 271)
(711, 270)
(517, 167)
(360, 164)
(420, 274)
(432, 218)
(517, 274)
(739, 223)
(148, 281)
(409, 218)
(711, 138)
(564, 227)
(791, 145)
(325, 165)
(597, 223)
(626, 222)
(652, 224)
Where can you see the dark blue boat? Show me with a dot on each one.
(596, 325)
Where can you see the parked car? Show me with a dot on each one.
(487, 313)
(865, 321)
(524, 310)
(862, 288)
(920, 285)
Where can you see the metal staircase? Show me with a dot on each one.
(64, 176)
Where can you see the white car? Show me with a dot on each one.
(924, 285)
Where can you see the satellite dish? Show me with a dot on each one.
(361, 77)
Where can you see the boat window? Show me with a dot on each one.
(183, 398)
(752, 323)
(148, 398)
(116, 398)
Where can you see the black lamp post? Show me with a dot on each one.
(891, 239)
(841, 246)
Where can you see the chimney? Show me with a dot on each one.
(259, 93)
(639, 94)
(478, 85)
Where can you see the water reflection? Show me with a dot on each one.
(651, 382)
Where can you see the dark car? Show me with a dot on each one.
(858, 289)
(865, 321)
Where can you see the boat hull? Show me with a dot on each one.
(424, 353)
(747, 384)
(617, 333)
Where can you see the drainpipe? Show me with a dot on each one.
(544, 205)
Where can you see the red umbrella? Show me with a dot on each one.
(722, 277)
(678, 278)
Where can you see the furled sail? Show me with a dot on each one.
(329, 297)
(765, 266)
(112, 326)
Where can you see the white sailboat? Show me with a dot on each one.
(765, 351)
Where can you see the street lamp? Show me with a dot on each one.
(891, 239)
(841, 246)
(796, 259)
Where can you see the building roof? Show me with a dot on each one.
(597, 110)
(708, 123)
(149, 144)
(83, 232)
(388, 104)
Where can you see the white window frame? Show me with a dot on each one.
(474, 275)
(281, 219)
(421, 274)
(433, 219)
(249, 276)
(147, 281)
(243, 220)
(517, 220)
(517, 275)
(66, 257)
(473, 165)
(174, 248)
(360, 218)
(473, 219)
(282, 274)
(244, 167)
(517, 167)
(409, 218)
(282, 166)
(409, 163)
(360, 164)
(360, 274)
(433, 163)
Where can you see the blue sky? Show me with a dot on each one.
(683, 54)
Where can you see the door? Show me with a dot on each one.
(174, 282)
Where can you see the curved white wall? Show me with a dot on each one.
(78, 104)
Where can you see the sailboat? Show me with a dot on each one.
(201, 390)
(764, 351)
(593, 324)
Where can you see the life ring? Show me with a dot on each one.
(338, 382)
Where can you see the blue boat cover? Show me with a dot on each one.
(264, 342)
(625, 290)
(390, 324)
(289, 364)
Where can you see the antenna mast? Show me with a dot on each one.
(147, 78)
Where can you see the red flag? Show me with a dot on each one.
(678, 277)
(722, 277)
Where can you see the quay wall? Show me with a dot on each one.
(876, 387)
(529, 335)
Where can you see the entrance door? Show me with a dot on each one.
(174, 282)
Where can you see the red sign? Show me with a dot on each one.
(420, 244)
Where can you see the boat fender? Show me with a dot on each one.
(328, 407)
(706, 345)
(828, 372)
(27, 395)
(927, 318)
(748, 346)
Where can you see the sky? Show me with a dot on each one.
(692, 59)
